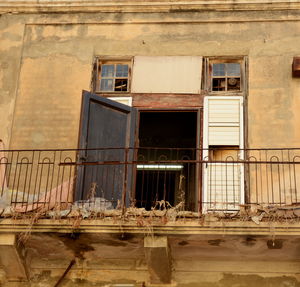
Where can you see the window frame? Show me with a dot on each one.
(231, 94)
(208, 73)
(99, 61)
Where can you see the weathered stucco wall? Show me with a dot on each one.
(11, 38)
(45, 63)
(56, 64)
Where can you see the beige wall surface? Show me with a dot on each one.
(11, 37)
(47, 62)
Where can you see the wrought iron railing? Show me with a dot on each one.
(111, 178)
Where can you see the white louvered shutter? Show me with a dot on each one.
(224, 120)
(223, 126)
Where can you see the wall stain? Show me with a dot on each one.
(215, 242)
(275, 244)
(77, 243)
(183, 243)
(249, 241)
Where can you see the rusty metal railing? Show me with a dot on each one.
(113, 178)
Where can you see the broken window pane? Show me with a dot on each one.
(218, 69)
(233, 69)
(121, 85)
(219, 84)
(113, 76)
(226, 76)
(107, 70)
(106, 85)
(122, 71)
(233, 84)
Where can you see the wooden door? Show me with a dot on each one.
(107, 132)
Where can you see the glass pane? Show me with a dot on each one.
(233, 69)
(218, 70)
(106, 85)
(122, 71)
(107, 70)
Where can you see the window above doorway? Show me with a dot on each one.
(147, 75)
(112, 76)
(225, 75)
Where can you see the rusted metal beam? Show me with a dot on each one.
(65, 273)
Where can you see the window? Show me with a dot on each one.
(147, 74)
(112, 76)
(223, 133)
(224, 75)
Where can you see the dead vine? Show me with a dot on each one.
(161, 213)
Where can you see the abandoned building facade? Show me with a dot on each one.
(149, 143)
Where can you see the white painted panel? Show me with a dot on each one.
(123, 100)
(224, 135)
(223, 111)
(223, 186)
(168, 74)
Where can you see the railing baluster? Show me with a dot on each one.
(43, 179)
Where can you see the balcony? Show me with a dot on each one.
(104, 203)
(223, 181)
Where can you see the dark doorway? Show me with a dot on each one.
(168, 129)
(166, 155)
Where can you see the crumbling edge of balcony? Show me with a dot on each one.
(149, 226)
(179, 227)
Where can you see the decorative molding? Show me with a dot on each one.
(69, 6)
(181, 227)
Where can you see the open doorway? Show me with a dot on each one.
(167, 154)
